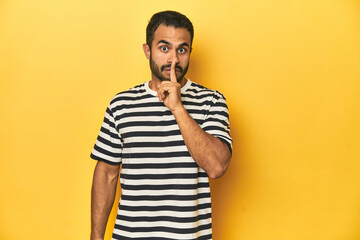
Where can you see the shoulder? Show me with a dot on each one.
(137, 92)
(205, 92)
(130, 93)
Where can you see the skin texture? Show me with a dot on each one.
(169, 58)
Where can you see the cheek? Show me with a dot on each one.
(158, 54)
(185, 60)
(159, 59)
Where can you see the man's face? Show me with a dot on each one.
(169, 44)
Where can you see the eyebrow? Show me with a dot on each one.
(168, 43)
(163, 41)
(184, 45)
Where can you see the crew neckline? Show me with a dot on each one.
(152, 92)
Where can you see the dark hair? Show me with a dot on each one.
(168, 18)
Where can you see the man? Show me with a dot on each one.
(170, 134)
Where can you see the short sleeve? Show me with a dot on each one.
(216, 121)
(108, 145)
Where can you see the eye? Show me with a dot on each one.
(182, 50)
(164, 48)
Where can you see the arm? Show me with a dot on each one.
(102, 197)
(209, 152)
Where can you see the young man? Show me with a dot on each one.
(170, 134)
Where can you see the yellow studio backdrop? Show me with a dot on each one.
(290, 71)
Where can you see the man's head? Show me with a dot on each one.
(169, 19)
(169, 38)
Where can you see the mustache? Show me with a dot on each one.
(169, 65)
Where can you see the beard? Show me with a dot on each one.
(157, 71)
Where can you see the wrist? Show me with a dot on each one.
(178, 111)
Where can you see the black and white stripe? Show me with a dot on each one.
(165, 194)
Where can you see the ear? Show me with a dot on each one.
(146, 49)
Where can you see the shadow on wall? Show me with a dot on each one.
(227, 192)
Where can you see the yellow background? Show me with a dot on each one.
(290, 71)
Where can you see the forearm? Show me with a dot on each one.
(210, 153)
(102, 199)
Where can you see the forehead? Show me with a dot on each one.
(173, 35)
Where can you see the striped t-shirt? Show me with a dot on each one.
(165, 194)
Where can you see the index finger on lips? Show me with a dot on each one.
(172, 72)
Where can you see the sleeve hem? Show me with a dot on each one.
(226, 142)
(103, 160)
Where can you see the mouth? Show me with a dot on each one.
(167, 69)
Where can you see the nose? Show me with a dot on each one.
(174, 57)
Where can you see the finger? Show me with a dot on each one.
(161, 94)
(172, 72)
(158, 93)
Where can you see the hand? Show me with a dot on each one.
(169, 91)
